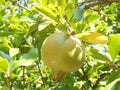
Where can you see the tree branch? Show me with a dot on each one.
(18, 3)
(98, 2)
(39, 70)
(85, 77)
(98, 80)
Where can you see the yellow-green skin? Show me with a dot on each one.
(63, 53)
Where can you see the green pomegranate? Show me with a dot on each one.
(62, 53)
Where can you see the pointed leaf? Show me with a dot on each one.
(43, 25)
(27, 18)
(32, 54)
(3, 65)
(69, 10)
(13, 51)
(29, 40)
(114, 75)
(61, 6)
(48, 13)
(18, 63)
(115, 85)
(78, 14)
(4, 55)
(92, 17)
(6, 33)
(114, 45)
(33, 27)
(98, 55)
(93, 37)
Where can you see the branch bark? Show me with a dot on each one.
(98, 2)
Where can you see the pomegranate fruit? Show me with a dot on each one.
(62, 53)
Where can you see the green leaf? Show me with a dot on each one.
(92, 18)
(117, 63)
(61, 4)
(13, 51)
(62, 27)
(98, 55)
(114, 45)
(4, 55)
(114, 75)
(44, 2)
(18, 40)
(32, 54)
(4, 88)
(78, 14)
(78, 27)
(3, 65)
(48, 13)
(6, 33)
(19, 63)
(115, 85)
(29, 40)
(69, 10)
(27, 18)
(43, 25)
(33, 27)
(2, 2)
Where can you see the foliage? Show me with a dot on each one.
(24, 25)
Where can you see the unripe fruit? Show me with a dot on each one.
(62, 53)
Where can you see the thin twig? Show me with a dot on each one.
(39, 70)
(23, 67)
(114, 67)
(98, 80)
(9, 84)
(86, 77)
(70, 30)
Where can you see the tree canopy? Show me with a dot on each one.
(25, 24)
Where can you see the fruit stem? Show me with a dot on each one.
(70, 30)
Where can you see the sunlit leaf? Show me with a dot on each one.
(43, 25)
(98, 55)
(3, 65)
(114, 45)
(48, 13)
(13, 51)
(92, 18)
(78, 27)
(2, 2)
(44, 2)
(115, 85)
(61, 6)
(27, 18)
(93, 37)
(29, 40)
(69, 10)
